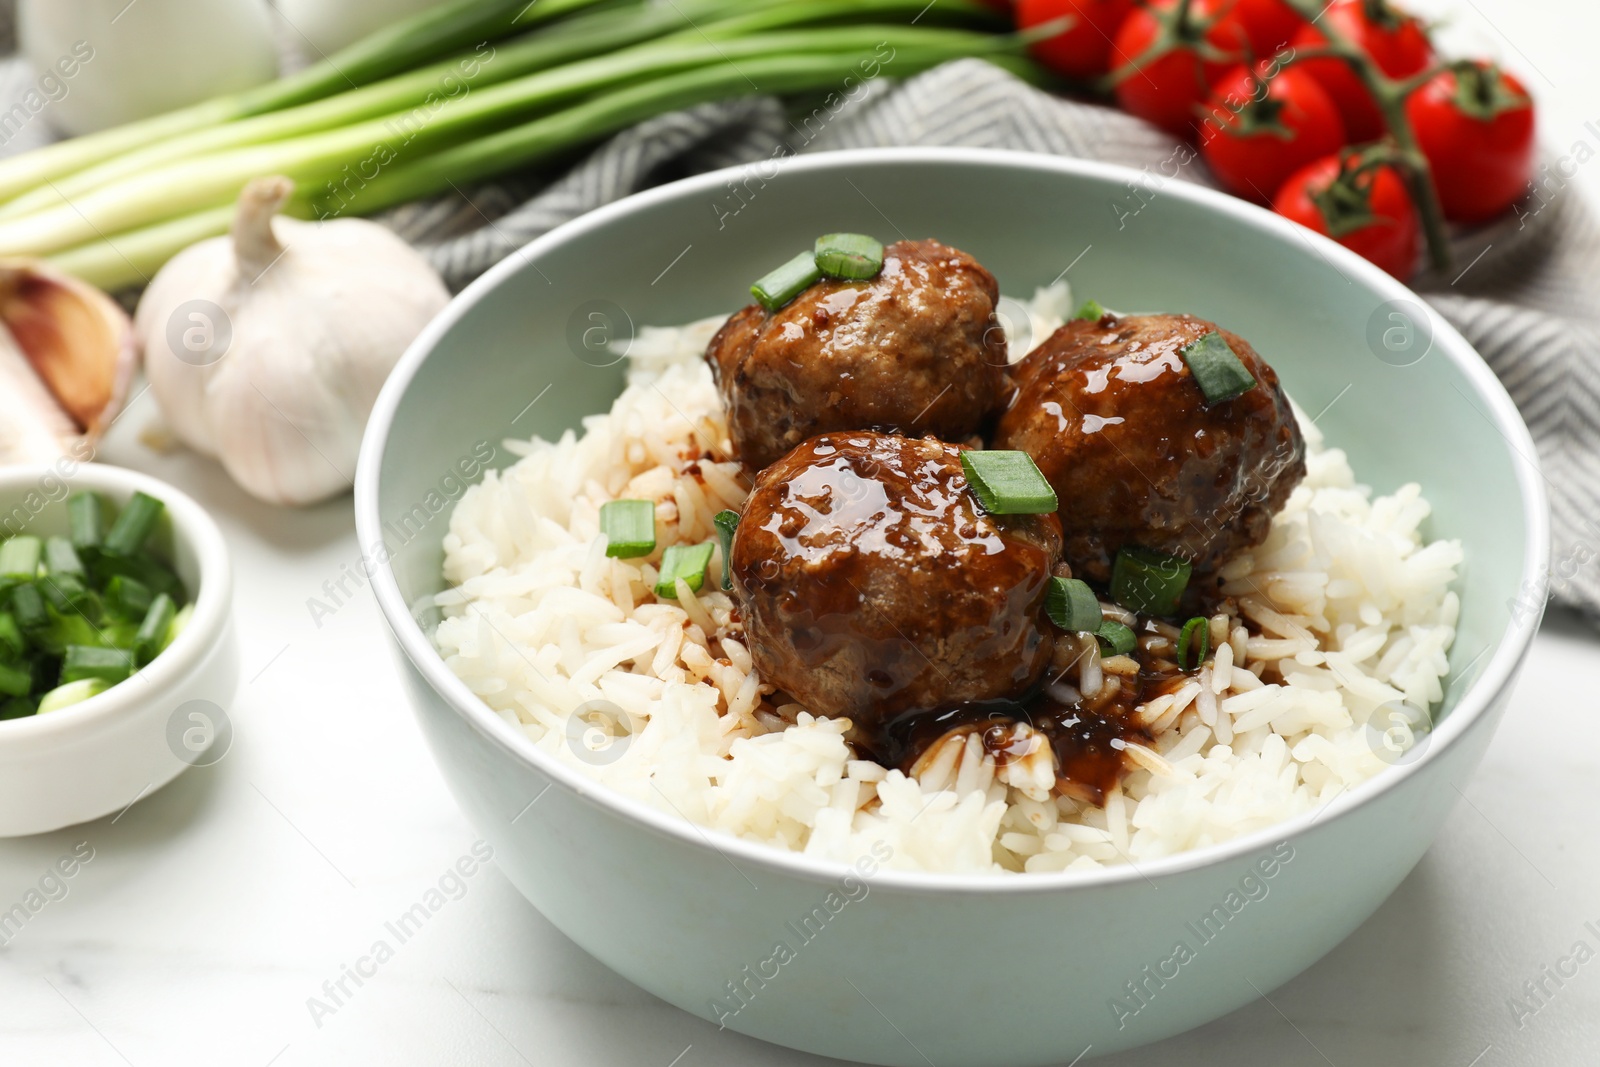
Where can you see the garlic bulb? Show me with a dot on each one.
(266, 348)
(67, 354)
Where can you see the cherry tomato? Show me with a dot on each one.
(1369, 212)
(1162, 78)
(1476, 128)
(1397, 43)
(1260, 129)
(1267, 24)
(1084, 50)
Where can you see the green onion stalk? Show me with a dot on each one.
(333, 156)
(360, 169)
(400, 47)
(581, 36)
(575, 38)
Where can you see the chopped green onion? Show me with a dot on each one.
(12, 643)
(61, 558)
(152, 633)
(1187, 644)
(1147, 581)
(85, 615)
(688, 562)
(777, 288)
(726, 523)
(134, 526)
(1217, 369)
(156, 576)
(63, 581)
(28, 606)
(19, 558)
(86, 518)
(1115, 638)
(109, 664)
(71, 628)
(64, 592)
(17, 708)
(1072, 605)
(72, 693)
(179, 623)
(15, 681)
(629, 526)
(127, 596)
(1008, 482)
(1090, 310)
(852, 256)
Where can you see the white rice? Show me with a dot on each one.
(1345, 601)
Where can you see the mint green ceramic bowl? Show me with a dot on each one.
(941, 969)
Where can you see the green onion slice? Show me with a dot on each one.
(152, 634)
(72, 693)
(19, 558)
(688, 562)
(28, 606)
(726, 523)
(134, 526)
(64, 592)
(853, 256)
(12, 643)
(61, 558)
(776, 289)
(1217, 369)
(629, 526)
(108, 664)
(128, 596)
(1072, 605)
(1115, 638)
(15, 681)
(1187, 644)
(180, 622)
(86, 519)
(1148, 581)
(1090, 310)
(1008, 482)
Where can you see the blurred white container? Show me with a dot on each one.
(331, 24)
(129, 60)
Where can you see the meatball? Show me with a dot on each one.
(916, 349)
(873, 585)
(1112, 415)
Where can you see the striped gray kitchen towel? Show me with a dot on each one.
(1524, 291)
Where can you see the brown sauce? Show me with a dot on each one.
(1089, 737)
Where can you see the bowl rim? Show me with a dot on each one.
(191, 526)
(1493, 678)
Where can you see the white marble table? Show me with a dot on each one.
(213, 910)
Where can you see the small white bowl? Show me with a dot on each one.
(99, 756)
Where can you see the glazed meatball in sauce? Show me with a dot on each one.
(1114, 418)
(873, 586)
(916, 350)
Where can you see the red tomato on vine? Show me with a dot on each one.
(1266, 24)
(1260, 129)
(1083, 50)
(1475, 124)
(1166, 58)
(1363, 205)
(1397, 42)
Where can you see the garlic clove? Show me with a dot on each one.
(33, 426)
(76, 339)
